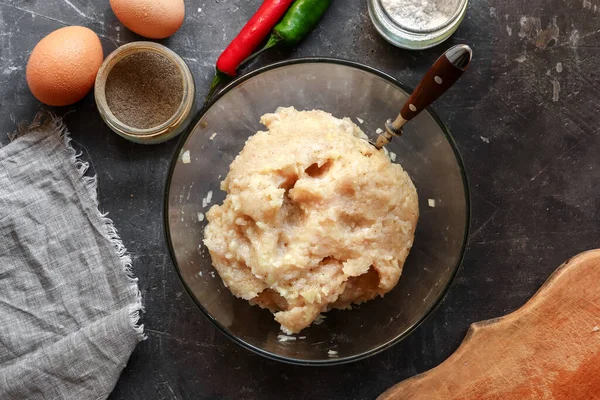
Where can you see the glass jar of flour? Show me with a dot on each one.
(417, 24)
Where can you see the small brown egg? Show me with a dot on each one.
(155, 19)
(63, 66)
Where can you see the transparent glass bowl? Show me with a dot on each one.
(426, 151)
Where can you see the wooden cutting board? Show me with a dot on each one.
(548, 349)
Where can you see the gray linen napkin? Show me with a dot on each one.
(69, 305)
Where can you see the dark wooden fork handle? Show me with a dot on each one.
(440, 77)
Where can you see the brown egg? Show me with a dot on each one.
(155, 19)
(63, 66)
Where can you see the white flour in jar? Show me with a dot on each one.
(420, 14)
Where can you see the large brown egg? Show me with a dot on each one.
(63, 66)
(155, 19)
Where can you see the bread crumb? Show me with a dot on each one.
(379, 131)
(185, 157)
(302, 337)
(431, 203)
(212, 273)
(559, 67)
(285, 338)
(206, 201)
(213, 136)
(392, 156)
(486, 140)
(200, 217)
(319, 320)
(596, 329)
(199, 273)
(332, 353)
(360, 120)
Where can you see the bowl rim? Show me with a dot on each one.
(257, 350)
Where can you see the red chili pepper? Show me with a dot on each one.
(252, 35)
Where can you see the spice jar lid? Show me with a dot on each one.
(119, 107)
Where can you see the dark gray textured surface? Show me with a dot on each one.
(528, 134)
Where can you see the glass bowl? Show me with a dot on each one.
(426, 151)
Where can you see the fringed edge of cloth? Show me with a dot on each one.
(43, 118)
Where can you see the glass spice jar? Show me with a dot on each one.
(410, 37)
(171, 127)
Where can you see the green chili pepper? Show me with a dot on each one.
(302, 17)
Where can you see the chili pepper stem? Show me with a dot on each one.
(273, 40)
(219, 78)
